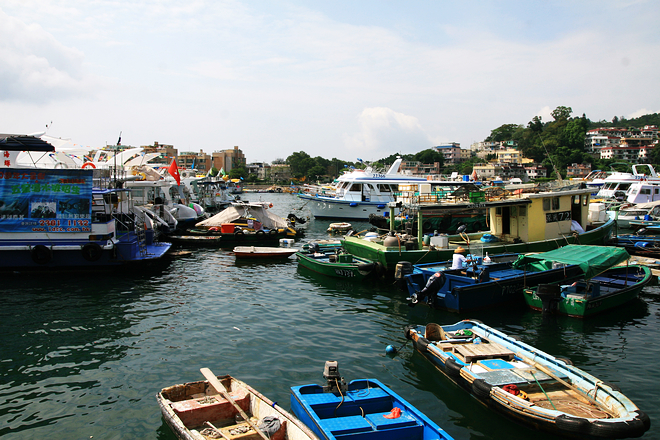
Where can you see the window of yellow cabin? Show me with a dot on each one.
(550, 203)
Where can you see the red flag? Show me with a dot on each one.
(174, 171)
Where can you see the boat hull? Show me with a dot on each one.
(345, 266)
(260, 252)
(493, 285)
(526, 384)
(360, 413)
(331, 208)
(613, 287)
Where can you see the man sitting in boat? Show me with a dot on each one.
(459, 258)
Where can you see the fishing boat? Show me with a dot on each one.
(224, 407)
(479, 285)
(58, 220)
(263, 252)
(632, 216)
(334, 262)
(360, 409)
(518, 223)
(527, 385)
(602, 286)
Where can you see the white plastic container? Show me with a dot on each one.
(371, 236)
(440, 241)
(286, 242)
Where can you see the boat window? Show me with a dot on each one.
(624, 186)
(646, 191)
(514, 211)
(356, 187)
(585, 199)
(550, 203)
(384, 188)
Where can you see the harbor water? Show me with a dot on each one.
(83, 356)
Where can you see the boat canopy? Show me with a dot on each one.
(245, 210)
(14, 142)
(593, 260)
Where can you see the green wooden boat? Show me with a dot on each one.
(604, 286)
(537, 222)
(338, 264)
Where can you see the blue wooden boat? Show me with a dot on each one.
(480, 285)
(361, 409)
(526, 384)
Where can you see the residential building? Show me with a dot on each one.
(195, 161)
(259, 169)
(451, 152)
(577, 170)
(167, 153)
(228, 159)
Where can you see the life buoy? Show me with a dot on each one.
(41, 254)
(261, 234)
(88, 164)
(92, 252)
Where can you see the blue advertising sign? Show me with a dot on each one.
(45, 200)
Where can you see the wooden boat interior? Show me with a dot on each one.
(204, 411)
(517, 377)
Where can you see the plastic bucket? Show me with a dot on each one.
(227, 228)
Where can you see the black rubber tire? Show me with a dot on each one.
(92, 252)
(41, 254)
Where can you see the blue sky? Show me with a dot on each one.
(341, 79)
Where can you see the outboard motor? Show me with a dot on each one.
(550, 294)
(335, 383)
(402, 269)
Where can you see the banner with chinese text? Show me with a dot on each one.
(45, 200)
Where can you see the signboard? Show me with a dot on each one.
(45, 200)
(552, 217)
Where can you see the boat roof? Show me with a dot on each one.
(18, 142)
(593, 260)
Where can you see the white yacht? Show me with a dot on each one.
(360, 193)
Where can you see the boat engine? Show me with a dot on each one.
(335, 383)
(550, 294)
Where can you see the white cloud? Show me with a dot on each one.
(384, 131)
(35, 66)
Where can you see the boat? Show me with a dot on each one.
(602, 286)
(263, 252)
(227, 408)
(634, 215)
(526, 384)
(59, 221)
(238, 224)
(617, 183)
(360, 409)
(334, 262)
(359, 193)
(518, 223)
(339, 228)
(481, 285)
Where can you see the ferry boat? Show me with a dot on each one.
(54, 219)
(359, 193)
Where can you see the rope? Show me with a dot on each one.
(546, 395)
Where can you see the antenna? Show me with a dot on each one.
(550, 159)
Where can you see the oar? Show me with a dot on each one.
(213, 380)
(549, 372)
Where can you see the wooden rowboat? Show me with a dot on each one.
(209, 409)
(263, 252)
(526, 384)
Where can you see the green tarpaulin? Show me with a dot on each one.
(593, 260)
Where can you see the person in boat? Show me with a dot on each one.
(459, 258)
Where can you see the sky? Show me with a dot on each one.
(340, 79)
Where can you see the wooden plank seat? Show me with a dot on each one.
(474, 352)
